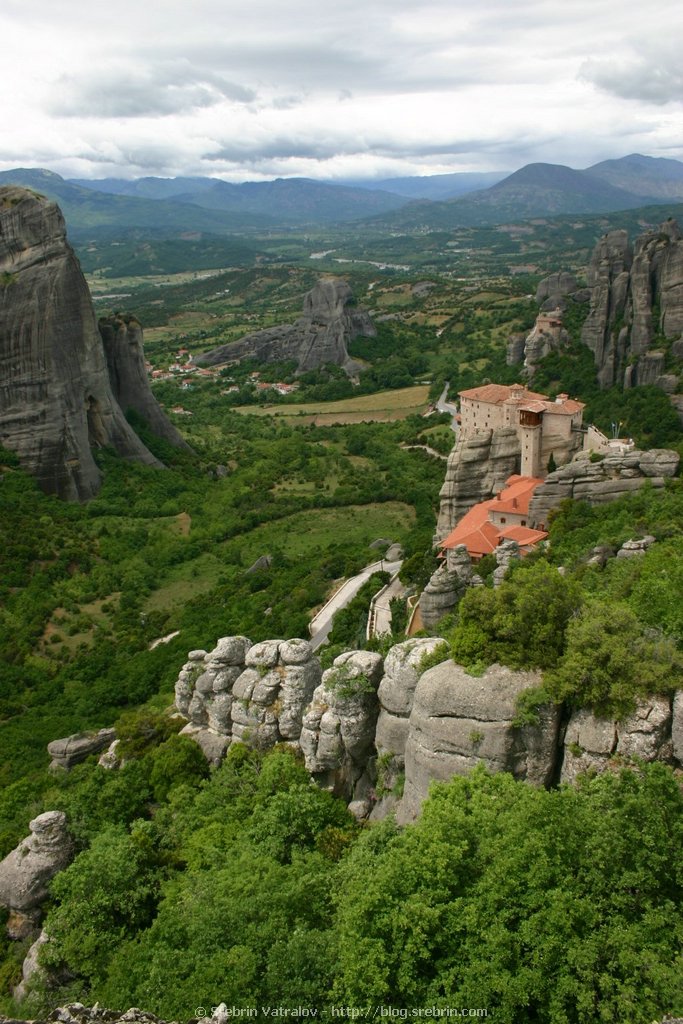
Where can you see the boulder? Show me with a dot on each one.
(590, 742)
(441, 594)
(31, 969)
(458, 720)
(26, 872)
(71, 750)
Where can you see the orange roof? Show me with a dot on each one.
(516, 494)
(567, 407)
(496, 394)
(480, 536)
(524, 536)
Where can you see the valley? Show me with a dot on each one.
(273, 500)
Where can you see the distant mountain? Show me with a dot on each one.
(434, 186)
(86, 208)
(541, 190)
(656, 177)
(299, 200)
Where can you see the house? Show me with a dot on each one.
(504, 517)
(545, 427)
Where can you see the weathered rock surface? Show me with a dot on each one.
(25, 873)
(590, 742)
(56, 399)
(629, 288)
(321, 335)
(477, 468)
(677, 726)
(554, 289)
(31, 969)
(458, 720)
(122, 340)
(255, 693)
(440, 596)
(338, 734)
(396, 692)
(506, 553)
(71, 750)
(617, 474)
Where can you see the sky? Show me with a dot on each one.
(336, 89)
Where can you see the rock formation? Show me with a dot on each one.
(56, 400)
(458, 720)
(122, 339)
(617, 474)
(590, 741)
(71, 750)
(440, 596)
(26, 872)
(253, 693)
(554, 290)
(321, 335)
(402, 669)
(477, 469)
(636, 293)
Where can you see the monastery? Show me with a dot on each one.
(547, 430)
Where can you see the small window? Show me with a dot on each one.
(502, 519)
(523, 522)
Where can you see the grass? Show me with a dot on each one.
(380, 407)
(320, 528)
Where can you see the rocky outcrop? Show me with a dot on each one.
(56, 399)
(636, 293)
(31, 969)
(553, 290)
(255, 693)
(590, 742)
(320, 336)
(596, 482)
(506, 553)
(440, 596)
(71, 750)
(26, 872)
(458, 720)
(122, 340)
(477, 469)
(338, 734)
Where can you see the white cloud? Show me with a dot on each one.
(395, 86)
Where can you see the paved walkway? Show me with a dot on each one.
(443, 406)
(321, 624)
(381, 621)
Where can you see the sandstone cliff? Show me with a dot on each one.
(321, 335)
(636, 300)
(56, 399)
(122, 339)
(477, 469)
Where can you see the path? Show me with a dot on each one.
(443, 406)
(379, 620)
(425, 448)
(321, 624)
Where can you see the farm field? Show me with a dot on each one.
(378, 408)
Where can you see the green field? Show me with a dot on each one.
(378, 408)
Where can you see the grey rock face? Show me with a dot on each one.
(597, 482)
(30, 968)
(396, 692)
(515, 349)
(554, 289)
(441, 594)
(253, 693)
(26, 872)
(677, 726)
(590, 742)
(458, 720)
(321, 335)
(627, 288)
(506, 553)
(338, 734)
(71, 750)
(477, 468)
(122, 340)
(56, 401)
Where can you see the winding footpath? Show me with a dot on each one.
(321, 624)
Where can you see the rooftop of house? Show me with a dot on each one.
(496, 394)
(481, 536)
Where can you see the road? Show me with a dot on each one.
(321, 624)
(443, 406)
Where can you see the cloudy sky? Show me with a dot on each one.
(336, 88)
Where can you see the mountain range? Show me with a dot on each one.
(203, 204)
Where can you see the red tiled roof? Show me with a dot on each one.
(480, 536)
(496, 394)
(565, 408)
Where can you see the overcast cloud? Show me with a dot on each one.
(348, 89)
